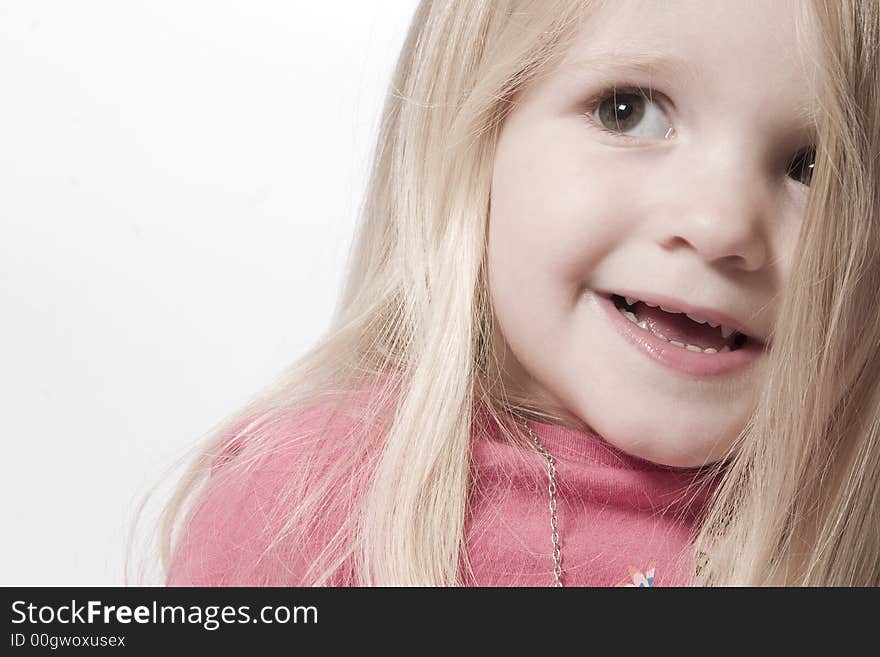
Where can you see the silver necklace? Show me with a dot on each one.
(551, 489)
(701, 557)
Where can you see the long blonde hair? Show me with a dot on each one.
(413, 337)
(799, 503)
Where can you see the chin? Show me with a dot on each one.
(673, 452)
(688, 445)
(679, 440)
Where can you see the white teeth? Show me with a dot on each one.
(713, 324)
(697, 318)
(635, 320)
(723, 349)
(726, 332)
(630, 301)
(670, 310)
(690, 347)
(650, 305)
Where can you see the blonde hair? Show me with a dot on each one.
(412, 343)
(799, 503)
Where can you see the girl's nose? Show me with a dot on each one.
(723, 213)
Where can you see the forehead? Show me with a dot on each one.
(721, 46)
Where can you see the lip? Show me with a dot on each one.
(714, 316)
(694, 363)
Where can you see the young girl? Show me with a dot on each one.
(611, 317)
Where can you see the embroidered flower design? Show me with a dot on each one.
(639, 579)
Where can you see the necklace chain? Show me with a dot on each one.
(701, 557)
(551, 489)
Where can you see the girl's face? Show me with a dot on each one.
(685, 188)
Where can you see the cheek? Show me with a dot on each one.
(553, 212)
(786, 242)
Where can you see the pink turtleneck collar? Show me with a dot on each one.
(621, 519)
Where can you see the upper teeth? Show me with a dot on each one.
(725, 331)
(690, 347)
(701, 320)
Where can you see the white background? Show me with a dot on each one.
(179, 182)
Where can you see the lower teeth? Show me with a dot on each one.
(690, 347)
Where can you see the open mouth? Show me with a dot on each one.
(680, 329)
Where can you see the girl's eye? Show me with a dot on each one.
(631, 114)
(801, 166)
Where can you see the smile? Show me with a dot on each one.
(695, 333)
(677, 341)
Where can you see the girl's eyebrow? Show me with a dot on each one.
(672, 66)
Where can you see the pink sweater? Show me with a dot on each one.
(621, 520)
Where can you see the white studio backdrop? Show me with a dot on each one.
(179, 182)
